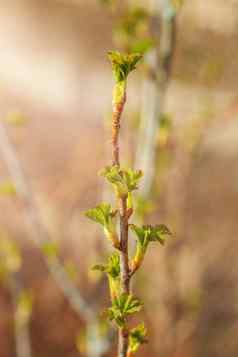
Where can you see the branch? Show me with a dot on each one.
(39, 233)
(122, 202)
(154, 87)
(121, 65)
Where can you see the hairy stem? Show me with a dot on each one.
(122, 202)
(125, 271)
(123, 343)
(116, 118)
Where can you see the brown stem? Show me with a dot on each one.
(123, 343)
(125, 270)
(116, 118)
(124, 217)
(129, 354)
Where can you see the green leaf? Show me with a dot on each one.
(123, 64)
(145, 235)
(104, 215)
(50, 249)
(148, 233)
(113, 315)
(112, 267)
(123, 180)
(139, 231)
(137, 337)
(113, 174)
(132, 178)
(158, 233)
(122, 306)
(101, 214)
(7, 188)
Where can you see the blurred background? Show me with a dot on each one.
(180, 127)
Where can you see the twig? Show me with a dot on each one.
(39, 232)
(40, 236)
(118, 106)
(153, 91)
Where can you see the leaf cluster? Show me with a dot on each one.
(149, 233)
(122, 306)
(123, 64)
(137, 337)
(112, 268)
(145, 235)
(104, 215)
(123, 180)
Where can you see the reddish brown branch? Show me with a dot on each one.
(124, 217)
(116, 118)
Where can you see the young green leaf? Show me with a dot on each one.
(132, 178)
(123, 64)
(112, 267)
(123, 180)
(158, 233)
(148, 233)
(122, 306)
(137, 338)
(101, 214)
(104, 215)
(145, 235)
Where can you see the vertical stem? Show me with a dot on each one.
(124, 262)
(116, 117)
(125, 271)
